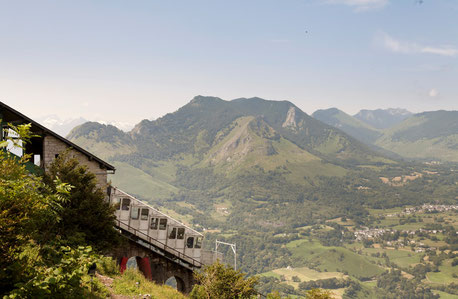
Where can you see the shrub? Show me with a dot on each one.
(107, 266)
(223, 282)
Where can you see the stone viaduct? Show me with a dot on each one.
(154, 266)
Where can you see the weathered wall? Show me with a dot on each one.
(53, 146)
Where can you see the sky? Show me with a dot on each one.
(124, 61)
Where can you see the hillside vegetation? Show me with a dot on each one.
(427, 136)
(271, 178)
(350, 125)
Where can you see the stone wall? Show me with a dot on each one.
(154, 266)
(53, 146)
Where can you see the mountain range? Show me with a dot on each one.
(383, 118)
(249, 169)
(232, 138)
(427, 136)
(268, 177)
(227, 137)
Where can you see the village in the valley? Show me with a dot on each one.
(413, 236)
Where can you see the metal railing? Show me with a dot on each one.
(157, 246)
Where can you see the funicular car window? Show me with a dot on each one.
(144, 215)
(198, 242)
(154, 223)
(134, 213)
(180, 234)
(117, 203)
(173, 233)
(190, 242)
(163, 223)
(125, 204)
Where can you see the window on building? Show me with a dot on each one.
(125, 204)
(16, 150)
(37, 160)
(190, 242)
(134, 213)
(180, 234)
(163, 223)
(173, 233)
(145, 213)
(198, 242)
(154, 223)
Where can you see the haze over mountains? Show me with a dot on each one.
(426, 136)
(58, 125)
(64, 126)
(232, 138)
(383, 118)
(393, 132)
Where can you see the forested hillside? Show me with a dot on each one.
(350, 125)
(427, 136)
(211, 138)
(264, 174)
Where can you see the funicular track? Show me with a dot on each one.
(157, 246)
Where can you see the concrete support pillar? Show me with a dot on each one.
(155, 267)
(123, 264)
(145, 267)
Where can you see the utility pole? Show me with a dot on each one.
(233, 247)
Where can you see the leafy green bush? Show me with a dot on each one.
(107, 266)
(318, 294)
(221, 281)
(54, 272)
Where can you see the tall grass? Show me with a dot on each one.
(132, 282)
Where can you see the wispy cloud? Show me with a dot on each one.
(360, 5)
(433, 93)
(397, 46)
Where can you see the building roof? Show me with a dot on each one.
(8, 114)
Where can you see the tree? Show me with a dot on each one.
(33, 264)
(27, 207)
(223, 282)
(87, 219)
(318, 294)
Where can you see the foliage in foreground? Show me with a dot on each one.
(55, 272)
(318, 294)
(36, 261)
(222, 281)
(132, 282)
(107, 266)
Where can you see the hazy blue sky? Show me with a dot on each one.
(129, 60)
